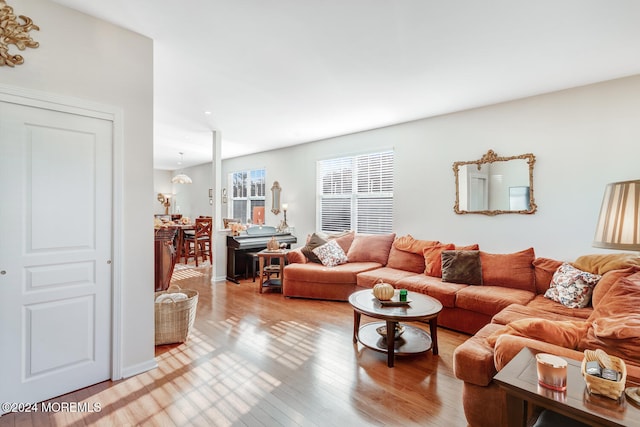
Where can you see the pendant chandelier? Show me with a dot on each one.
(181, 178)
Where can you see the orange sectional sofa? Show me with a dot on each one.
(507, 312)
(405, 262)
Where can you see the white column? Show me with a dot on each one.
(219, 234)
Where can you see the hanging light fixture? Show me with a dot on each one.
(181, 178)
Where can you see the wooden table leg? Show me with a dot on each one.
(516, 411)
(433, 329)
(391, 340)
(356, 325)
(261, 264)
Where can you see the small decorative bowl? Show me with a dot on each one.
(382, 330)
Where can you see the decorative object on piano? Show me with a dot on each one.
(15, 33)
(273, 245)
(165, 200)
(226, 222)
(236, 228)
(283, 225)
(181, 178)
(275, 197)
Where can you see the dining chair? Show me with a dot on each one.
(199, 244)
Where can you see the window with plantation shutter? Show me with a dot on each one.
(356, 193)
(247, 193)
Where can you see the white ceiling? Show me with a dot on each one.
(283, 72)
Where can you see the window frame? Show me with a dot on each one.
(372, 219)
(250, 181)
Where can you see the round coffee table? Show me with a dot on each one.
(412, 341)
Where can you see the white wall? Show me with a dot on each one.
(85, 58)
(192, 200)
(582, 138)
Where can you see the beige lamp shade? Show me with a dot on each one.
(619, 221)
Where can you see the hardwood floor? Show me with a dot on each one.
(264, 360)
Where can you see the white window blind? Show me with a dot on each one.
(356, 193)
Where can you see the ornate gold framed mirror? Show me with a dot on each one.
(495, 185)
(275, 197)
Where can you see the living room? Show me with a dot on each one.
(583, 138)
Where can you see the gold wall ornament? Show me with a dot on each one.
(12, 32)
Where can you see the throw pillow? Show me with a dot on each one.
(344, 239)
(601, 263)
(543, 269)
(608, 280)
(330, 254)
(572, 287)
(616, 321)
(433, 259)
(563, 333)
(509, 270)
(462, 267)
(407, 261)
(371, 248)
(409, 244)
(313, 242)
(473, 247)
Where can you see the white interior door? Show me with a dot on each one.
(55, 252)
(478, 194)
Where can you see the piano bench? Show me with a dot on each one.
(251, 259)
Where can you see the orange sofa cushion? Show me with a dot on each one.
(371, 248)
(296, 257)
(543, 269)
(407, 261)
(433, 259)
(601, 263)
(509, 270)
(490, 300)
(607, 281)
(564, 333)
(409, 244)
(616, 321)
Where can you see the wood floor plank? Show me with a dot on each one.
(264, 360)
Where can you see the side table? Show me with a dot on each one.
(265, 258)
(519, 378)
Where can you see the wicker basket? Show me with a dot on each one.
(608, 388)
(174, 319)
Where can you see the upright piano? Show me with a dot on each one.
(253, 240)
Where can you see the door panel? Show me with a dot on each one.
(56, 234)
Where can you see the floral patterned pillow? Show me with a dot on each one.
(330, 254)
(572, 287)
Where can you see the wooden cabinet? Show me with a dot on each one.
(165, 256)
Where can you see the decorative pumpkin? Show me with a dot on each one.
(383, 291)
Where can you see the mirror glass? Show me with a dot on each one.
(495, 185)
(275, 197)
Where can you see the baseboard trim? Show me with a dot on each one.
(130, 371)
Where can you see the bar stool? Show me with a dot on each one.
(199, 244)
